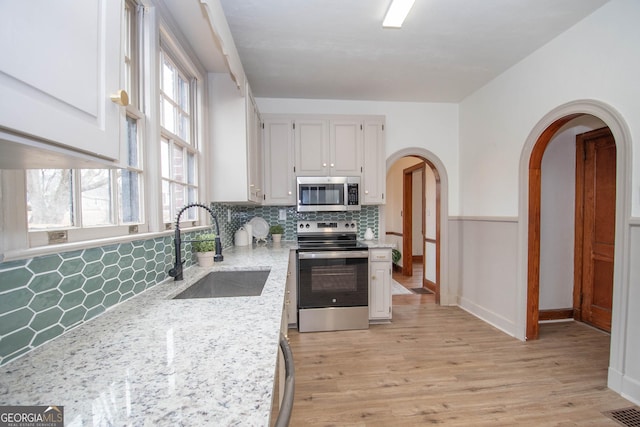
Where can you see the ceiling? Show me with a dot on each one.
(337, 49)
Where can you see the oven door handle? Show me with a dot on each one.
(333, 254)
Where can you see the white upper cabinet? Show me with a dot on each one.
(346, 148)
(374, 170)
(312, 147)
(255, 152)
(234, 127)
(328, 147)
(60, 64)
(279, 177)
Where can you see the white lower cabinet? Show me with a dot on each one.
(291, 299)
(380, 284)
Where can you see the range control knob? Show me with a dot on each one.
(301, 225)
(308, 226)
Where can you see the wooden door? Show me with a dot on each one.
(596, 170)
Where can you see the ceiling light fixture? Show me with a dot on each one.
(397, 12)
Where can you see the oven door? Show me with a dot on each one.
(333, 279)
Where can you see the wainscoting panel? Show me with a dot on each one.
(489, 270)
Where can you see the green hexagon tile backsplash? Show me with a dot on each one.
(42, 297)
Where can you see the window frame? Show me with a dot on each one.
(170, 46)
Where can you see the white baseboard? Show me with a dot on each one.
(495, 320)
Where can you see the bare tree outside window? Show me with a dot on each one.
(50, 202)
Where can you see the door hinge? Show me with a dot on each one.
(262, 125)
(360, 169)
(360, 126)
(294, 169)
(294, 126)
(382, 127)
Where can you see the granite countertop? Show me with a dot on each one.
(372, 244)
(156, 361)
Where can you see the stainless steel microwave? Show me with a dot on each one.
(328, 193)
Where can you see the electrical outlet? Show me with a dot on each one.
(282, 214)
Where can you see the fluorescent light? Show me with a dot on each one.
(398, 11)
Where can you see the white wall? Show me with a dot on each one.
(598, 60)
(408, 124)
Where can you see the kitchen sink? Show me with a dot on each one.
(220, 284)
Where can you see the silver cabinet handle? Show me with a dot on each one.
(289, 384)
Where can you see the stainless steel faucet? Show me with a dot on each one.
(176, 271)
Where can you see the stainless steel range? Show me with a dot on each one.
(333, 277)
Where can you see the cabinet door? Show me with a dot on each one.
(291, 300)
(380, 284)
(374, 170)
(60, 62)
(312, 147)
(279, 178)
(254, 147)
(346, 148)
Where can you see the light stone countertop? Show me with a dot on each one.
(375, 243)
(155, 361)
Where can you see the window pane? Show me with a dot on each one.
(191, 168)
(192, 195)
(168, 78)
(183, 100)
(96, 191)
(167, 215)
(179, 199)
(49, 198)
(164, 158)
(132, 141)
(184, 131)
(129, 201)
(168, 116)
(177, 163)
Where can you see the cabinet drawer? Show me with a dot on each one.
(381, 255)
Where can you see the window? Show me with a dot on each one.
(178, 147)
(50, 200)
(90, 198)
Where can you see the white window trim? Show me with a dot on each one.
(180, 52)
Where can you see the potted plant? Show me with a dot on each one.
(276, 231)
(395, 256)
(204, 246)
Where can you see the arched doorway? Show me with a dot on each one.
(443, 291)
(529, 228)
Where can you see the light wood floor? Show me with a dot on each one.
(441, 365)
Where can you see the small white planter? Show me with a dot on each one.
(276, 238)
(205, 259)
